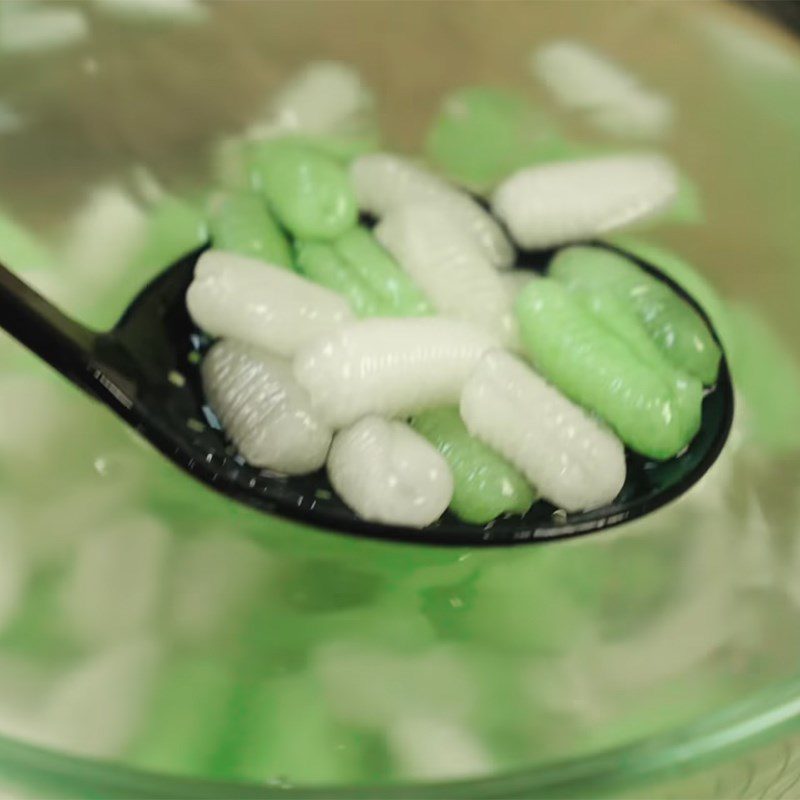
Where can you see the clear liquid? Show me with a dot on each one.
(147, 621)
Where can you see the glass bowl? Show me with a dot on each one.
(158, 641)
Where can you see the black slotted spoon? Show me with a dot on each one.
(146, 370)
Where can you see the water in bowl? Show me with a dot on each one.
(145, 621)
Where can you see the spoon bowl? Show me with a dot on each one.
(147, 370)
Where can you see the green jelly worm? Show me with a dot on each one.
(482, 134)
(618, 316)
(306, 189)
(485, 485)
(677, 328)
(593, 364)
(240, 222)
(321, 263)
(358, 267)
(687, 277)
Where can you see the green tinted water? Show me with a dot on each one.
(147, 621)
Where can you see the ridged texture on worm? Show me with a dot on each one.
(572, 460)
(485, 485)
(388, 473)
(268, 306)
(445, 262)
(263, 409)
(617, 315)
(390, 367)
(586, 351)
(676, 327)
(569, 201)
(385, 182)
(358, 267)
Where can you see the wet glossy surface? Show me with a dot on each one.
(160, 341)
(609, 663)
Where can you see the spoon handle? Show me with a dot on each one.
(63, 343)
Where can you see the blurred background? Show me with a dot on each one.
(156, 640)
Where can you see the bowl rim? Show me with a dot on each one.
(757, 720)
